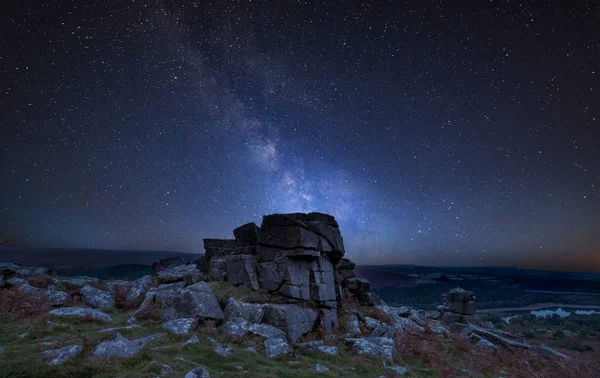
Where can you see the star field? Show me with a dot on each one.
(436, 133)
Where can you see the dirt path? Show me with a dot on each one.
(537, 306)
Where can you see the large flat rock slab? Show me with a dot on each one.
(81, 312)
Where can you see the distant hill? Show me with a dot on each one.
(81, 258)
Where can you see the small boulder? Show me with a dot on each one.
(119, 346)
(97, 298)
(181, 326)
(76, 282)
(240, 327)
(140, 287)
(62, 355)
(319, 346)
(321, 368)
(192, 340)
(169, 262)
(352, 326)
(188, 273)
(56, 297)
(14, 281)
(118, 285)
(328, 320)
(374, 300)
(251, 312)
(293, 319)
(195, 301)
(277, 346)
(484, 346)
(398, 369)
(371, 323)
(198, 372)
(220, 349)
(380, 347)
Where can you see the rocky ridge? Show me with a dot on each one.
(299, 283)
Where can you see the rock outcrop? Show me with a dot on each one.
(458, 306)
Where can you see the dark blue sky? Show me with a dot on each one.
(435, 132)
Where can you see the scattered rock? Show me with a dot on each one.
(192, 340)
(118, 285)
(169, 262)
(484, 346)
(398, 369)
(374, 300)
(321, 368)
(51, 324)
(119, 346)
(97, 298)
(293, 319)
(81, 312)
(371, 323)
(181, 326)
(546, 351)
(498, 337)
(277, 346)
(251, 312)
(56, 297)
(380, 347)
(187, 273)
(319, 346)
(220, 349)
(195, 301)
(76, 282)
(140, 287)
(352, 326)
(62, 355)
(164, 369)
(14, 281)
(107, 330)
(383, 330)
(24, 270)
(198, 372)
(240, 327)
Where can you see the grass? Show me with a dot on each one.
(23, 355)
(423, 354)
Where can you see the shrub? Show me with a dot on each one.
(122, 303)
(149, 312)
(19, 305)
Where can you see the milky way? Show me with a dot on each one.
(436, 133)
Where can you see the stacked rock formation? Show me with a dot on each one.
(298, 256)
(345, 277)
(458, 306)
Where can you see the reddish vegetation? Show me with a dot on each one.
(15, 304)
(150, 312)
(40, 281)
(381, 316)
(449, 357)
(122, 303)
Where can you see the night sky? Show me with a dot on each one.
(436, 132)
